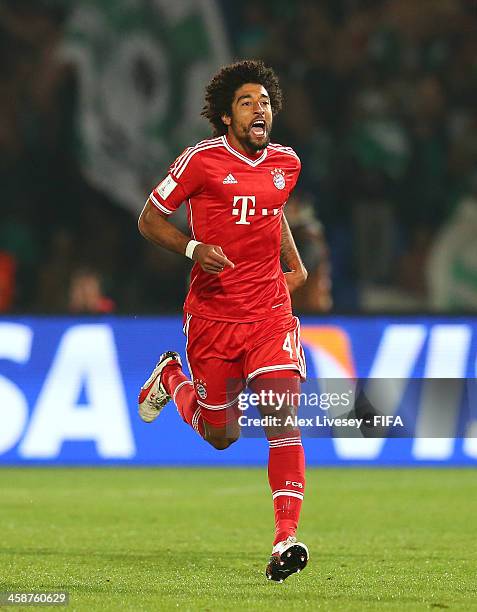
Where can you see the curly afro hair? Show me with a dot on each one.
(219, 94)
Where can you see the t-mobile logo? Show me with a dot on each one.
(241, 202)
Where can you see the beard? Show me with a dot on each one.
(256, 146)
(248, 141)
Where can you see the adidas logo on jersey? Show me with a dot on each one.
(229, 180)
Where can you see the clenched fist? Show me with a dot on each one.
(211, 258)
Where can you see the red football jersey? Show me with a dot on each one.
(236, 202)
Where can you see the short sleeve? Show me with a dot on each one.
(296, 172)
(185, 179)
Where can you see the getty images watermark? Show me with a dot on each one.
(280, 401)
(399, 408)
(277, 399)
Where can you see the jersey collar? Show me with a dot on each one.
(247, 160)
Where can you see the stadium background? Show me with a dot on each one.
(98, 98)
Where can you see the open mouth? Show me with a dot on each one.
(258, 128)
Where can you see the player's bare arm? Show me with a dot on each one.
(154, 226)
(298, 274)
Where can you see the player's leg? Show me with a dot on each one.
(218, 426)
(275, 364)
(286, 464)
(214, 354)
(181, 391)
(167, 382)
(207, 402)
(286, 468)
(221, 428)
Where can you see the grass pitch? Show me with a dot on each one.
(199, 539)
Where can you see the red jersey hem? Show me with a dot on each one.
(253, 319)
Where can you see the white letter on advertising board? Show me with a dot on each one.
(86, 359)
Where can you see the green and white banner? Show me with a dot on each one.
(142, 66)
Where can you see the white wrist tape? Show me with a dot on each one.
(191, 247)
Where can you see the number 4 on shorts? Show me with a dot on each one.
(289, 345)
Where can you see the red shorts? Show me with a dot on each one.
(224, 357)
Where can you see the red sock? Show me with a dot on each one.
(286, 475)
(181, 389)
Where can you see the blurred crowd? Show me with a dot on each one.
(380, 104)
(64, 245)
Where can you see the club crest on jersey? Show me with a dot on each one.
(278, 178)
(201, 389)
